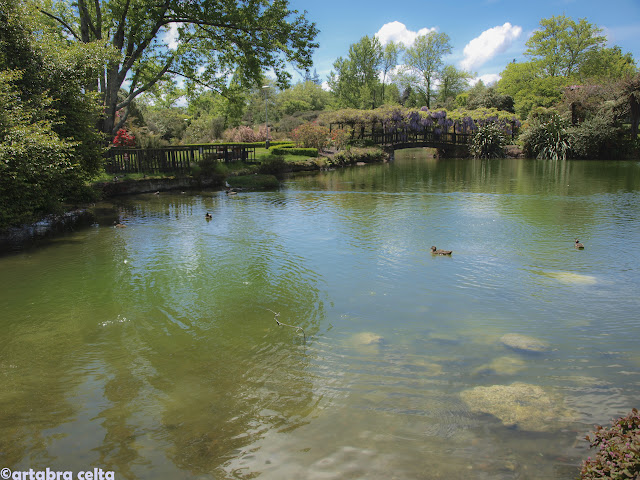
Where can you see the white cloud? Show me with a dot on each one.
(398, 32)
(487, 79)
(171, 36)
(490, 43)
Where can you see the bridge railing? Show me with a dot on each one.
(429, 134)
(173, 159)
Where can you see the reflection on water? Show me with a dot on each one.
(153, 350)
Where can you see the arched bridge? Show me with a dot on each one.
(448, 142)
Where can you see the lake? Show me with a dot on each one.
(154, 351)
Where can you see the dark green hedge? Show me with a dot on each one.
(287, 150)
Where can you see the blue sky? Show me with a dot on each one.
(485, 34)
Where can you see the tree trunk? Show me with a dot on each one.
(635, 115)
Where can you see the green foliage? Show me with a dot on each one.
(204, 129)
(355, 82)
(480, 96)
(596, 137)
(36, 166)
(311, 135)
(302, 97)
(561, 45)
(284, 150)
(452, 83)
(424, 58)
(607, 64)
(547, 139)
(358, 154)
(211, 44)
(523, 83)
(208, 167)
(272, 165)
(488, 142)
(254, 182)
(48, 142)
(618, 454)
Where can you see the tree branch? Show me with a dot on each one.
(63, 23)
(280, 324)
(134, 93)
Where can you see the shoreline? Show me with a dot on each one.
(16, 239)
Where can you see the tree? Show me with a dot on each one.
(213, 41)
(424, 58)
(481, 96)
(452, 83)
(390, 56)
(303, 97)
(529, 88)
(48, 144)
(607, 64)
(561, 45)
(355, 81)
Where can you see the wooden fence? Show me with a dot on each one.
(177, 159)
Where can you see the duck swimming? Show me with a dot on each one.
(436, 251)
(578, 244)
(208, 216)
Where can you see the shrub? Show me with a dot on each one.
(488, 142)
(618, 455)
(339, 138)
(353, 155)
(244, 134)
(595, 138)
(124, 139)
(547, 139)
(208, 167)
(272, 165)
(311, 135)
(284, 150)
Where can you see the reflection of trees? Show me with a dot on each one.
(172, 349)
(204, 352)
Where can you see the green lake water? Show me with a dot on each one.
(153, 351)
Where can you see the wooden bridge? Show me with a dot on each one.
(448, 142)
(175, 159)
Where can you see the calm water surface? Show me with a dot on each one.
(153, 350)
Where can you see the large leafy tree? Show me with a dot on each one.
(452, 83)
(355, 80)
(425, 59)
(606, 63)
(48, 141)
(561, 45)
(212, 40)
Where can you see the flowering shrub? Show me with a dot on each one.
(244, 134)
(396, 118)
(311, 135)
(339, 138)
(618, 455)
(124, 139)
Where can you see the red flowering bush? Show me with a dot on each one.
(339, 138)
(124, 139)
(618, 456)
(311, 135)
